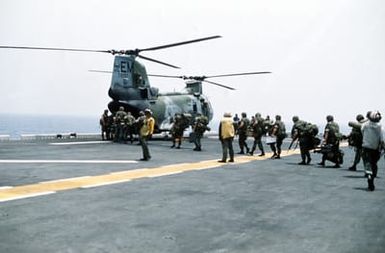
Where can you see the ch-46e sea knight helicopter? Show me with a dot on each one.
(130, 86)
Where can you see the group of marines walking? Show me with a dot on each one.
(366, 136)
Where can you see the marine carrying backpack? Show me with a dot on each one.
(355, 138)
(310, 129)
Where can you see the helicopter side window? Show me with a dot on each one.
(138, 80)
(195, 107)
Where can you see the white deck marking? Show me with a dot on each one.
(105, 183)
(80, 142)
(64, 180)
(27, 196)
(69, 161)
(165, 174)
(6, 187)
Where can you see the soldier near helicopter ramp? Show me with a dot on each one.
(226, 136)
(105, 125)
(145, 133)
(180, 123)
(129, 130)
(119, 124)
(199, 127)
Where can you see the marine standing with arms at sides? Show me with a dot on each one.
(226, 136)
(242, 133)
(372, 143)
(129, 127)
(119, 131)
(104, 124)
(146, 131)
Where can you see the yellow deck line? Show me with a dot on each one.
(38, 189)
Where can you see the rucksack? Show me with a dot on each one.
(355, 138)
(310, 129)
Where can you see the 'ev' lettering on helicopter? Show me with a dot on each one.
(124, 68)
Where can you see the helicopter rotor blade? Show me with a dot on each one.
(160, 62)
(100, 71)
(179, 43)
(218, 84)
(154, 75)
(110, 72)
(240, 74)
(58, 49)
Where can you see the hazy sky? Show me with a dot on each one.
(327, 57)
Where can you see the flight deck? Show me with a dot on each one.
(93, 196)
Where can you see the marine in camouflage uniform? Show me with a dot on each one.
(355, 139)
(119, 121)
(372, 144)
(177, 129)
(302, 131)
(242, 133)
(129, 127)
(199, 127)
(332, 138)
(267, 124)
(105, 126)
(258, 132)
(279, 131)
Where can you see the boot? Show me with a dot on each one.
(370, 183)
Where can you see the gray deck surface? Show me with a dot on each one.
(260, 206)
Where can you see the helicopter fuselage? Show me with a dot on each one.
(131, 89)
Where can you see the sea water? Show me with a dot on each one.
(18, 124)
